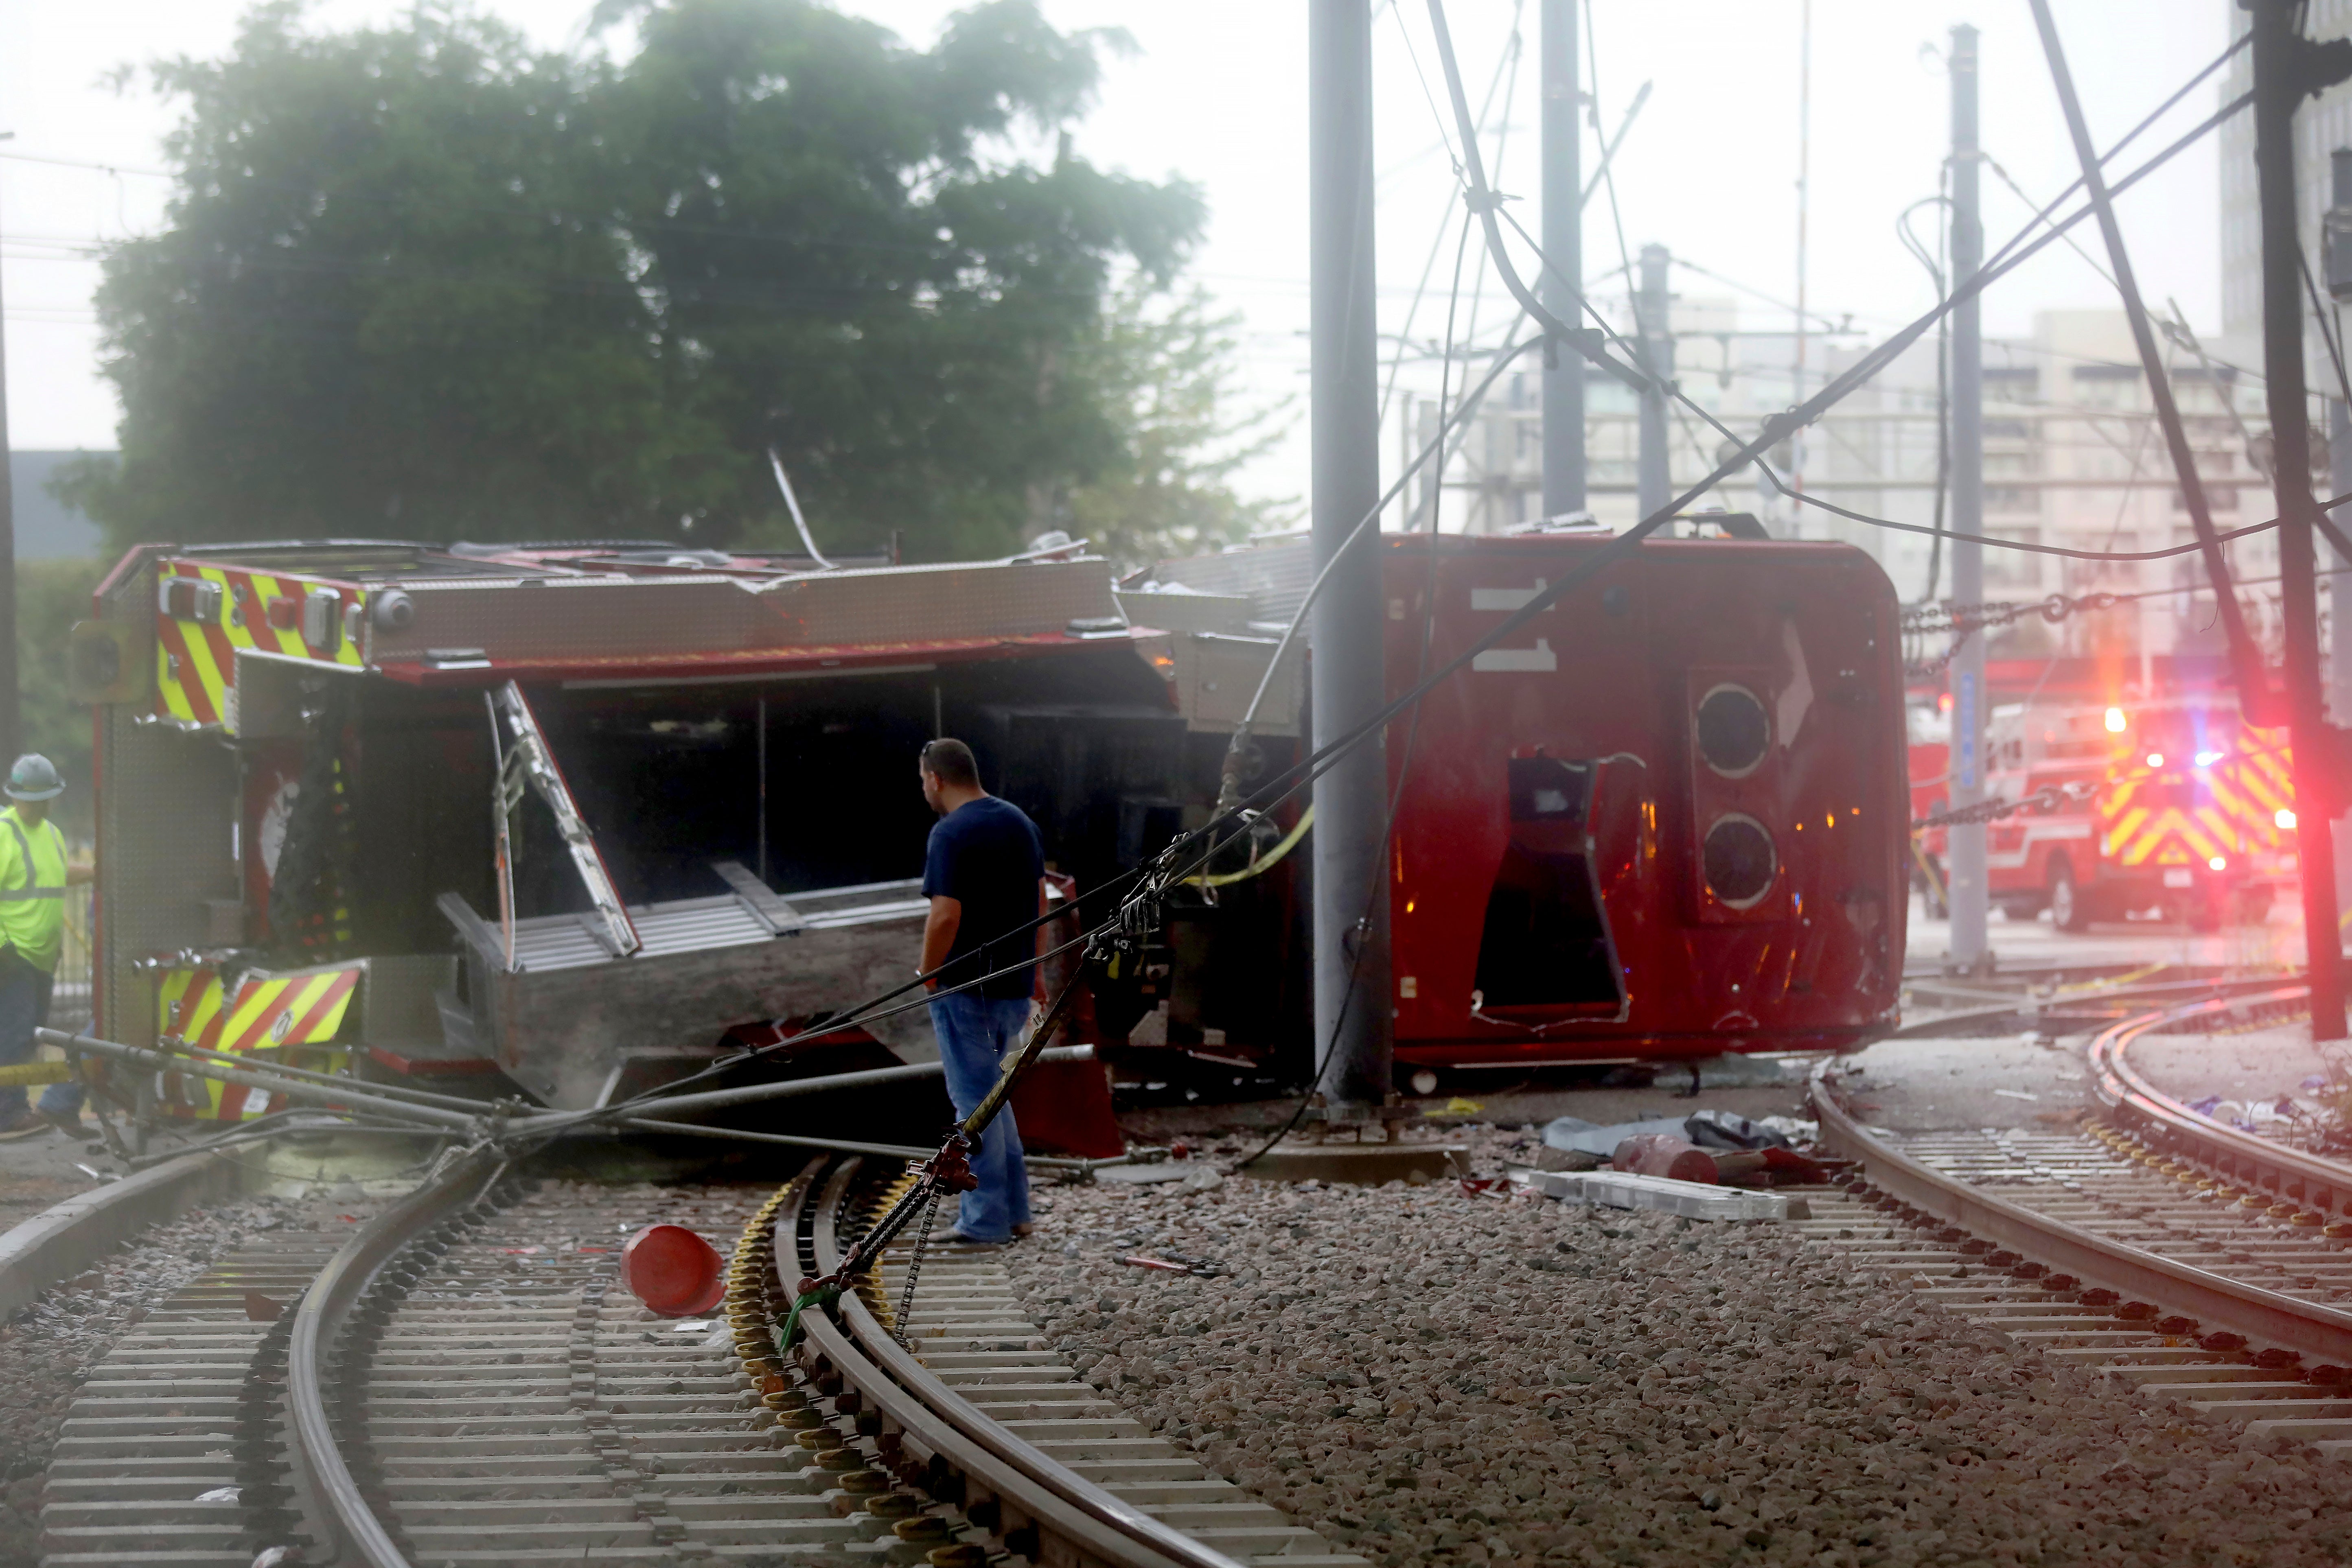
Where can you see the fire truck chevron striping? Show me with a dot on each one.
(2222, 799)
(206, 615)
(305, 1009)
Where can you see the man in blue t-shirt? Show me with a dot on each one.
(984, 874)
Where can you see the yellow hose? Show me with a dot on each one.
(1289, 842)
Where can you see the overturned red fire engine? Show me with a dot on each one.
(554, 820)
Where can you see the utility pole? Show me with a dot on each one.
(2339, 584)
(2337, 265)
(1653, 324)
(2288, 67)
(1797, 371)
(1562, 281)
(12, 732)
(1354, 1011)
(1969, 951)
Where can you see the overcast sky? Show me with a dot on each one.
(1216, 93)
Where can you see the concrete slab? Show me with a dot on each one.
(1360, 1164)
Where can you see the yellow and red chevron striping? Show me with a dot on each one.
(259, 613)
(297, 1010)
(268, 1011)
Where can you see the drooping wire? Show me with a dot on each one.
(1379, 888)
(1437, 241)
(1934, 263)
(1304, 772)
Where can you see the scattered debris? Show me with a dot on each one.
(1198, 1268)
(1704, 1129)
(1144, 1176)
(1665, 1155)
(1691, 1200)
(671, 1270)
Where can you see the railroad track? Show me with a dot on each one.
(460, 1378)
(2200, 1262)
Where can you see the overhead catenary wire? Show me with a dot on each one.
(1300, 774)
(1511, 50)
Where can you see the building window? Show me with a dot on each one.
(2218, 498)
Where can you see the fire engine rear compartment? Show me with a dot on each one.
(808, 786)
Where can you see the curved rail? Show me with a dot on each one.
(930, 1433)
(2311, 1180)
(360, 1535)
(926, 1432)
(2324, 1333)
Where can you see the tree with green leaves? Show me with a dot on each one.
(1165, 361)
(424, 281)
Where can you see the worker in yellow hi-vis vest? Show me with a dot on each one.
(34, 877)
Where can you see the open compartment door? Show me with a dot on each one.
(1544, 951)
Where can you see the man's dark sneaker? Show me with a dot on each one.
(26, 1125)
(72, 1126)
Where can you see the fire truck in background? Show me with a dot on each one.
(1928, 733)
(2176, 806)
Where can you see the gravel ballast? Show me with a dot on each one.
(1428, 1376)
(50, 1346)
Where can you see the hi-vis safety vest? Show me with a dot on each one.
(33, 890)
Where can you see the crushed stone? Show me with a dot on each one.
(1429, 1377)
(50, 1346)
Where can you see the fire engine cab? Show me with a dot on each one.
(2174, 806)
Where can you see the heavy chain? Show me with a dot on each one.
(914, 1272)
(1960, 619)
(2049, 797)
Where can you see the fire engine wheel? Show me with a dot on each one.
(2068, 909)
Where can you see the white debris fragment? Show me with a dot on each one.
(1690, 1200)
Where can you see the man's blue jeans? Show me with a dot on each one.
(974, 1035)
(24, 1008)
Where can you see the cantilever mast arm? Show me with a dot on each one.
(1585, 341)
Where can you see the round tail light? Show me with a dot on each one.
(1734, 731)
(1738, 861)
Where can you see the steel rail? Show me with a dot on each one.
(2058, 1006)
(2320, 1332)
(2313, 1180)
(325, 1310)
(927, 1425)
